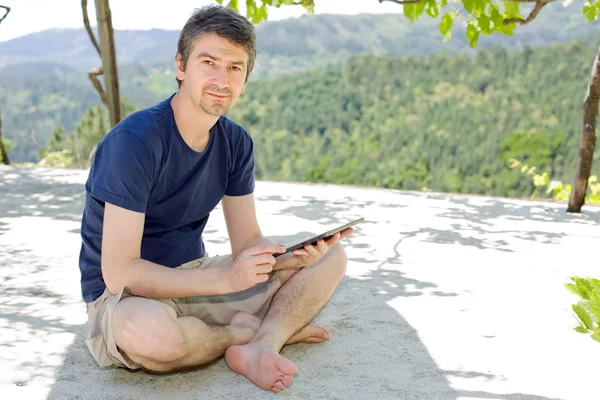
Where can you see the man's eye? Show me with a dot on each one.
(207, 62)
(236, 68)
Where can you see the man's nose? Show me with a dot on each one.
(220, 77)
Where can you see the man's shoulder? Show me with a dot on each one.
(232, 130)
(148, 124)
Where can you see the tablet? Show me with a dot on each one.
(313, 240)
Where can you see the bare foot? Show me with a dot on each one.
(244, 326)
(261, 365)
(310, 334)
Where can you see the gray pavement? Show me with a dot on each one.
(446, 297)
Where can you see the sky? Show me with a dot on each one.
(29, 16)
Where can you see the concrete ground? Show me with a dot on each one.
(446, 297)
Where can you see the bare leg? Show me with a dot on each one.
(295, 304)
(150, 333)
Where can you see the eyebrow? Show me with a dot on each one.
(207, 55)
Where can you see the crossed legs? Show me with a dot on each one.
(150, 333)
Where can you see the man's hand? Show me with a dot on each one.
(311, 254)
(252, 266)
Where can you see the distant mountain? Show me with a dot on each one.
(295, 44)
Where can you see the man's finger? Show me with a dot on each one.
(323, 246)
(264, 268)
(263, 259)
(346, 232)
(334, 239)
(300, 252)
(263, 277)
(311, 250)
(266, 248)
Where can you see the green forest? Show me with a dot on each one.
(444, 123)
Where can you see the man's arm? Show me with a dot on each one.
(244, 232)
(122, 265)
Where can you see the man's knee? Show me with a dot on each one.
(148, 332)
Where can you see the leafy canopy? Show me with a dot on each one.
(480, 16)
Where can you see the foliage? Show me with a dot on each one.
(258, 12)
(557, 189)
(448, 123)
(587, 310)
(73, 149)
(56, 159)
(36, 96)
(9, 146)
(482, 17)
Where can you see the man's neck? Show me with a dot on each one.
(193, 123)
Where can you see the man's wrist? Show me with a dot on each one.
(223, 281)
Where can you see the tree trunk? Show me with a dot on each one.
(2, 149)
(109, 60)
(588, 139)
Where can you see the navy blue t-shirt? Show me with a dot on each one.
(144, 165)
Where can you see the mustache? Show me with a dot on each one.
(217, 90)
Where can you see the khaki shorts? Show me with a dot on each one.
(212, 310)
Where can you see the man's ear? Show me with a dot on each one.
(243, 88)
(179, 67)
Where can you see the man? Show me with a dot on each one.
(154, 299)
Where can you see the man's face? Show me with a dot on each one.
(215, 74)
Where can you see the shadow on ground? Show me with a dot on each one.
(32, 192)
(374, 352)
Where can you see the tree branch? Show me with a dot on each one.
(2, 149)
(539, 4)
(86, 22)
(93, 74)
(7, 11)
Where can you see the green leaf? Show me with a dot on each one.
(595, 305)
(589, 10)
(444, 3)
(446, 25)
(496, 17)
(220, 1)
(250, 9)
(409, 12)
(584, 317)
(581, 329)
(573, 288)
(472, 35)
(432, 9)
(469, 5)
(511, 9)
(261, 14)
(234, 5)
(584, 287)
(596, 336)
(419, 8)
(484, 24)
(507, 29)
(479, 6)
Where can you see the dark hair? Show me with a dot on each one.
(222, 21)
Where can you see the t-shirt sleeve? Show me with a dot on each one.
(123, 171)
(241, 174)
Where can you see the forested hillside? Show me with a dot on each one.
(445, 123)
